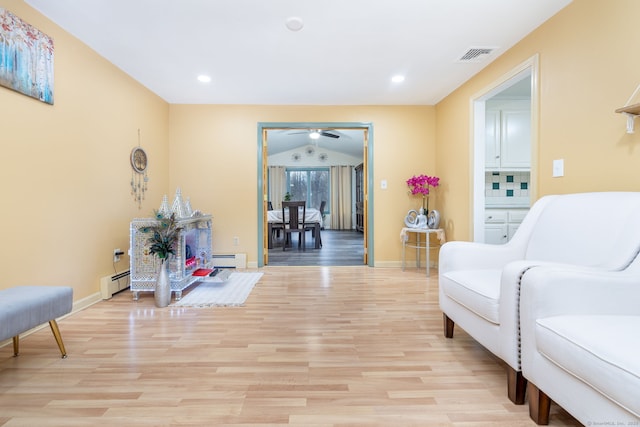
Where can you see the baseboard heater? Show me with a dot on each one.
(110, 285)
(229, 260)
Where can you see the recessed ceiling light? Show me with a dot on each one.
(204, 79)
(397, 79)
(294, 23)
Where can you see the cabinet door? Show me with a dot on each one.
(516, 139)
(495, 234)
(496, 216)
(492, 139)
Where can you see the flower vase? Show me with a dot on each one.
(162, 288)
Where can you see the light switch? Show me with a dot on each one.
(558, 168)
(383, 184)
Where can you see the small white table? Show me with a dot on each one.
(418, 244)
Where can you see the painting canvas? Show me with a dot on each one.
(26, 58)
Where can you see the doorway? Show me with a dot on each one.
(332, 132)
(527, 72)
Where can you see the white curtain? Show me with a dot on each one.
(341, 199)
(277, 183)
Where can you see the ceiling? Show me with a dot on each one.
(349, 141)
(345, 53)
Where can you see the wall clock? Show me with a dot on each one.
(139, 159)
(139, 178)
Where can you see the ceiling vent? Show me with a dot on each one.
(476, 54)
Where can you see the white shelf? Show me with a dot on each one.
(631, 111)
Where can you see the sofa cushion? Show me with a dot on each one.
(477, 290)
(601, 351)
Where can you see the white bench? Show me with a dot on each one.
(25, 307)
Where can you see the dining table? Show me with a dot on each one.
(312, 217)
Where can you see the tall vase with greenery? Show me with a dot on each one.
(162, 244)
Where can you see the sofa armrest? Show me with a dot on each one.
(510, 289)
(551, 291)
(476, 256)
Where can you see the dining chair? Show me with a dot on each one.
(276, 227)
(293, 223)
(323, 204)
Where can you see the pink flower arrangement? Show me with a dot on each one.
(420, 185)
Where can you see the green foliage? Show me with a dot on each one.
(164, 235)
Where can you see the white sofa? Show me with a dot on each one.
(479, 284)
(581, 344)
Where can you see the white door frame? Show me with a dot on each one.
(367, 128)
(477, 105)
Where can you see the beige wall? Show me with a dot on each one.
(214, 160)
(589, 66)
(64, 168)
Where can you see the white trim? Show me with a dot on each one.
(528, 68)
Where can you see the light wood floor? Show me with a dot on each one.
(314, 346)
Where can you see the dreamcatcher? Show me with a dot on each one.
(139, 178)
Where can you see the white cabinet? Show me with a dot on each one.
(508, 135)
(495, 226)
(501, 224)
(492, 139)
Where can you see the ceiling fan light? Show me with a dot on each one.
(314, 135)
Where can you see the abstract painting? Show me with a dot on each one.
(26, 58)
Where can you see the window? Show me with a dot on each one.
(310, 185)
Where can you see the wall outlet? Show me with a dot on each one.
(236, 241)
(116, 254)
(558, 168)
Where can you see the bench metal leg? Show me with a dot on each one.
(58, 337)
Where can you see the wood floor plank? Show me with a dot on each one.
(321, 346)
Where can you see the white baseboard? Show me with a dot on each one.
(409, 264)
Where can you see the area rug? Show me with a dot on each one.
(232, 292)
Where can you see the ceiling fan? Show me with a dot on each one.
(317, 133)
